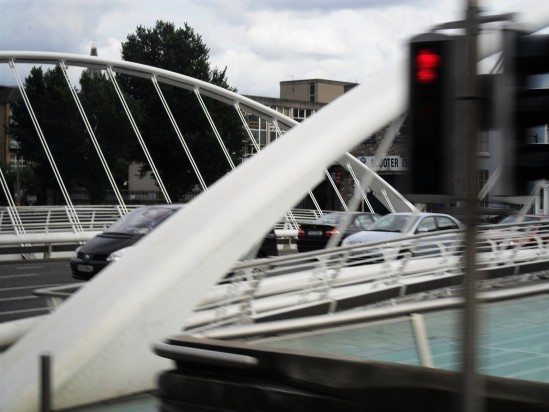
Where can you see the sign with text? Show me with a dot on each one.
(386, 164)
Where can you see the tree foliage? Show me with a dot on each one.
(181, 50)
(66, 137)
(63, 131)
(164, 46)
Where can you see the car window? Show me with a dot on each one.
(445, 223)
(329, 219)
(515, 219)
(364, 221)
(391, 223)
(140, 221)
(427, 225)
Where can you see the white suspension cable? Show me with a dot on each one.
(214, 129)
(93, 138)
(311, 195)
(70, 210)
(342, 226)
(358, 185)
(289, 216)
(381, 152)
(336, 190)
(138, 135)
(12, 209)
(178, 132)
(483, 192)
(246, 127)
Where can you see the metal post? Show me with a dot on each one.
(17, 184)
(45, 383)
(545, 198)
(422, 343)
(471, 384)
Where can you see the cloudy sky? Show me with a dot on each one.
(261, 42)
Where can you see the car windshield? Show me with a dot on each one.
(330, 219)
(519, 219)
(140, 221)
(392, 223)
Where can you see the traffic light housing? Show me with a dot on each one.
(433, 65)
(523, 105)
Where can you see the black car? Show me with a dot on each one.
(113, 243)
(315, 235)
(118, 239)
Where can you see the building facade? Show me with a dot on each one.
(300, 99)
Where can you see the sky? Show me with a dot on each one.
(260, 42)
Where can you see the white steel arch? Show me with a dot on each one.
(199, 88)
(100, 338)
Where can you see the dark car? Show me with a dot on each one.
(118, 239)
(315, 235)
(111, 245)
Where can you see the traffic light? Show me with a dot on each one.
(522, 106)
(431, 118)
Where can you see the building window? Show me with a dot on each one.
(299, 114)
(483, 147)
(312, 92)
(482, 178)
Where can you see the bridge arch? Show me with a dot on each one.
(242, 105)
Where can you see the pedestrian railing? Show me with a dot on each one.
(49, 219)
(344, 278)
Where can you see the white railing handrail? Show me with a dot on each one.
(47, 219)
(290, 282)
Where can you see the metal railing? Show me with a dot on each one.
(343, 278)
(49, 219)
(41, 231)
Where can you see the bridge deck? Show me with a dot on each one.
(513, 342)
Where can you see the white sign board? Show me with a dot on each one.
(386, 164)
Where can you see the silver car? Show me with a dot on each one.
(400, 225)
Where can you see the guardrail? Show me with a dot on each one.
(41, 232)
(41, 245)
(51, 219)
(343, 278)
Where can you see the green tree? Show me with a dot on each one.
(64, 133)
(180, 50)
(111, 128)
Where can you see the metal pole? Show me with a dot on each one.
(17, 187)
(45, 383)
(471, 384)
(422, 341)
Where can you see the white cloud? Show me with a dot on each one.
(261, 42)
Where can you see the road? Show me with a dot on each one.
(19, 279)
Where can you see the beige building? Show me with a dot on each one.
(313, 90)
(299, 99)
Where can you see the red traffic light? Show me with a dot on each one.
(427, 63)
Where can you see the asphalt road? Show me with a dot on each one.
(19, 279)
